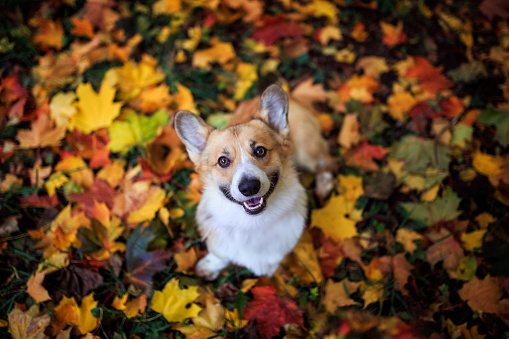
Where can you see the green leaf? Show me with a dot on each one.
(431, 213)
(419, 154)
(500, 120)
(137, 129)
(219, 120)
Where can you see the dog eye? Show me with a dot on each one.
(260, 151)
(223, 162)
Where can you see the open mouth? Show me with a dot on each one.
(255, 205)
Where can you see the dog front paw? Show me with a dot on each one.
(210, 266)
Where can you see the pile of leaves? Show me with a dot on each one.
(97, 196)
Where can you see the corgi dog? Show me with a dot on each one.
(253, 208)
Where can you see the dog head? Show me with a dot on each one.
(244, 161)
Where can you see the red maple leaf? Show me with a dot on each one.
(275, 28)
(11, 90)
(363, 154)
(272, 311)
(430, 78)
(100, 192)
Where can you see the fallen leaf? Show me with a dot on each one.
(373, 66)
(220, 52)
(62, 108)
(473, 240)
(50, 35)
(349, 134)
(82, 27)
(35, 288)
(86, 321)
(96, 110)
(407, 238)
(29, 324)
(339, 294)
(445, 248)
(173, 302)
(443, 208)
(274, 28)
(482, 295)
(393, 35)
(333, 218)
(41, 134)
(272, 311)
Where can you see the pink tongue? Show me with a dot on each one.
(253, 202)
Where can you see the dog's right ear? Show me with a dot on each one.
(273, 109)
(193, 132)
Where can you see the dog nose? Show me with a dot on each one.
(249, 187)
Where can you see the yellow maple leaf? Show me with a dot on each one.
(220, 52)
(86, 321)
(148, 211)
(332, 219)
(488, 165)
(56, 180)
(247, 76)
(96, 110)
(62, 107)
(472, 240)
(112, 173)
(373, 66)
(35, 288)
(78, 170)
(183, 98)
(406, 237)
(172, 302)
(351, 187)
(65, 313)
(400, 102)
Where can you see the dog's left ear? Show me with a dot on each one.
(273, 109)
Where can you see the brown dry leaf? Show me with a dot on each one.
(401, 269)
(482, 295)
(35, 288)
(29, 324)
(41, 134)
(445, 248)
(339, 294)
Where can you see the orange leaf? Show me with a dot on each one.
(349, 134)
(364, 154)
(35, 288)
(50, 34)
(482, 295)
(393, 35)
(82, 27)
(430, 77)
(220, 52)
(41, 134)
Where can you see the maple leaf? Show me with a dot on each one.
(65, 313)
(220, 52)
(332, 219)
(77, 170)
(35, 288)
(349, 134)
(135, 130)
(62, 108)
(359, 88)
(407, 238)
(272, 311)
(131, 78)
(275, 28)
(373, 66)
(142, 265)
(173, 302)
(147, 211)
(430, 78)
(444, 208)
(400, 103)
(86, 321)
(50, 34)
(326, 34)
(364, 154)
(11, 90)
(445, 248)
(96, 110)
(246, 77)
(82, 27)
(28, 324)
(339, 294)
(482, 295)
(393, 35)
(500, 119)
(41, 134)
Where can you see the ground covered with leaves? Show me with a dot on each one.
(97, 196)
